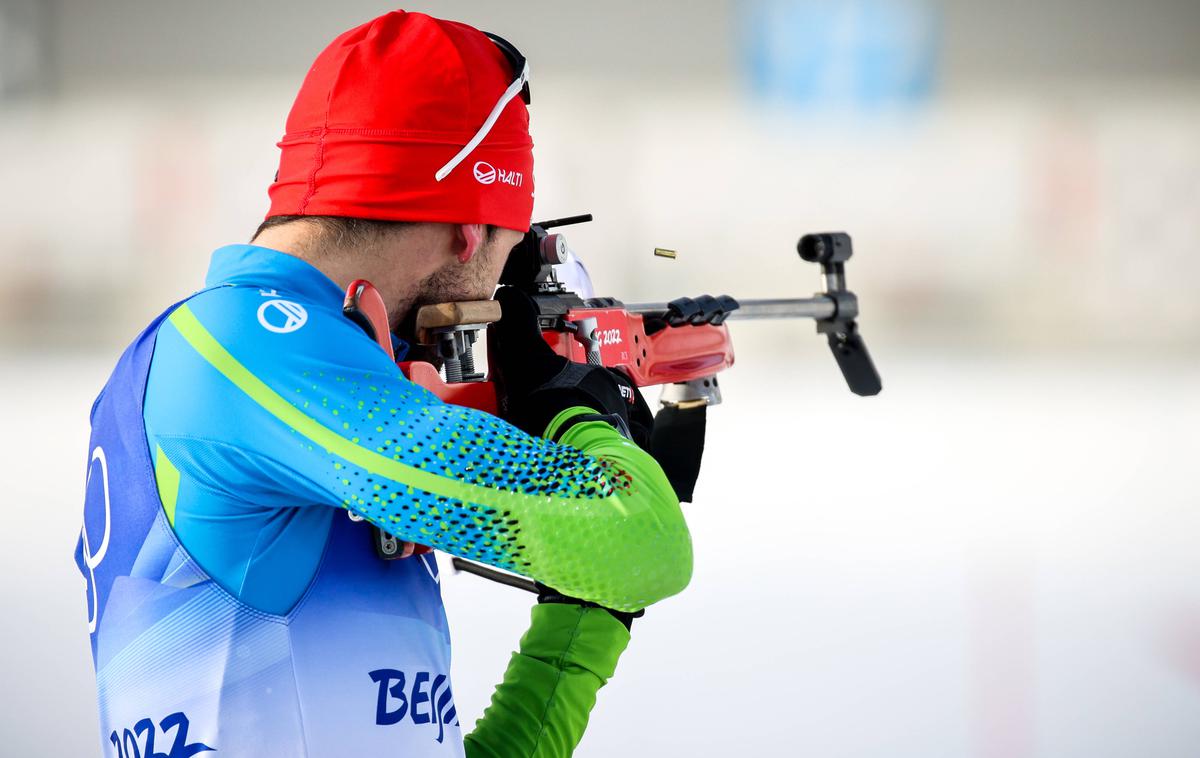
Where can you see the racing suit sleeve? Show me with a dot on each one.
(541, 708)
(334, 421)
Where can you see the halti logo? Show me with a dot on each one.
(486, 173)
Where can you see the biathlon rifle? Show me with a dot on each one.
(682, 344)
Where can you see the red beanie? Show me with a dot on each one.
(390, 103)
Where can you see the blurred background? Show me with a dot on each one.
(995, 558)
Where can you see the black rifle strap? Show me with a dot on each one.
(677, 443)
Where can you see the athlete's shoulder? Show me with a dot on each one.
(253, 338)
(278, 338)
(248, 320)
(246, 365)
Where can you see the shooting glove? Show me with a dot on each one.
(536, 384)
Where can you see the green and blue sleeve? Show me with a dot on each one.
(251, 426)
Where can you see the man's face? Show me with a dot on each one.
(501, 244)
(474, 280)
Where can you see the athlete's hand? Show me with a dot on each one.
(535, 383)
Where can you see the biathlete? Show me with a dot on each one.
(233, 606)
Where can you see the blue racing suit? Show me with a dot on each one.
(233, 605)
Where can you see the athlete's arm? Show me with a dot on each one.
(321, 416)
(541, 708)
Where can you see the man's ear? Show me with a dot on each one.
(468, 238)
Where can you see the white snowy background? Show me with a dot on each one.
(995, 558)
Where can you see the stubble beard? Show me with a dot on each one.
(454, 282)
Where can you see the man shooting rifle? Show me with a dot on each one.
(233, 607)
